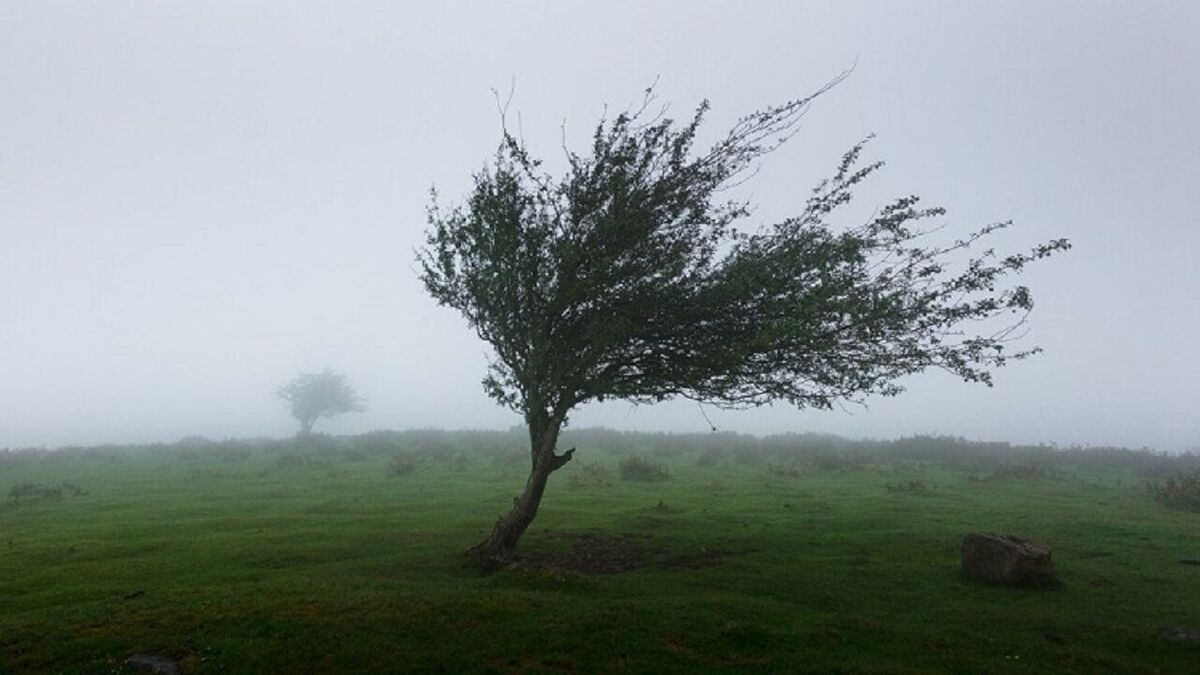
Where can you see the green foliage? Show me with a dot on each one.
(642, 469)
(311, 396)
(628, 278)
(1181, 491)
(590, 474)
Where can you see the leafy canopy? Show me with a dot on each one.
(626, 278)
(314, 395)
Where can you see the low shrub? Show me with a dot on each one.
(590, 474)
(1181, 491)
(639, 469)
(784, 470)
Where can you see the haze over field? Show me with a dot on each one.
(199, 201)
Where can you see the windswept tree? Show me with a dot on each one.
(628, 278)
(311, 396)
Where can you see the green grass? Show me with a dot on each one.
(332, 565)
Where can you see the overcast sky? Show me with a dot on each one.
(199, 200)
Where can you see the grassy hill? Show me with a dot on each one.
(713, 553)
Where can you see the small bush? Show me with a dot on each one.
(784, 470)
(639, 469)
(590, 474)
(710, 458)
(1181, 491)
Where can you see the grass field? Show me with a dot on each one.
(344, 555)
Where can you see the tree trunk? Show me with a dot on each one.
(500, 547)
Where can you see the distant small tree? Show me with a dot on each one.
(312, 396)
(626, 278)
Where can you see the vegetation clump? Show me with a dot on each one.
(1181, 491)
(784, 470)
(38, 490)
(591, 474)
(311, 396)
(641, 469)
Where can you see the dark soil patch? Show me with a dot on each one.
(594, 552)
(597, 552)
(1181, 633)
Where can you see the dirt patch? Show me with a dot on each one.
(598, 552)
(1181, 633)
(594, 552)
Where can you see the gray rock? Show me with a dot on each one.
(1007, 559)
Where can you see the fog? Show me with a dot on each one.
(200, 200)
